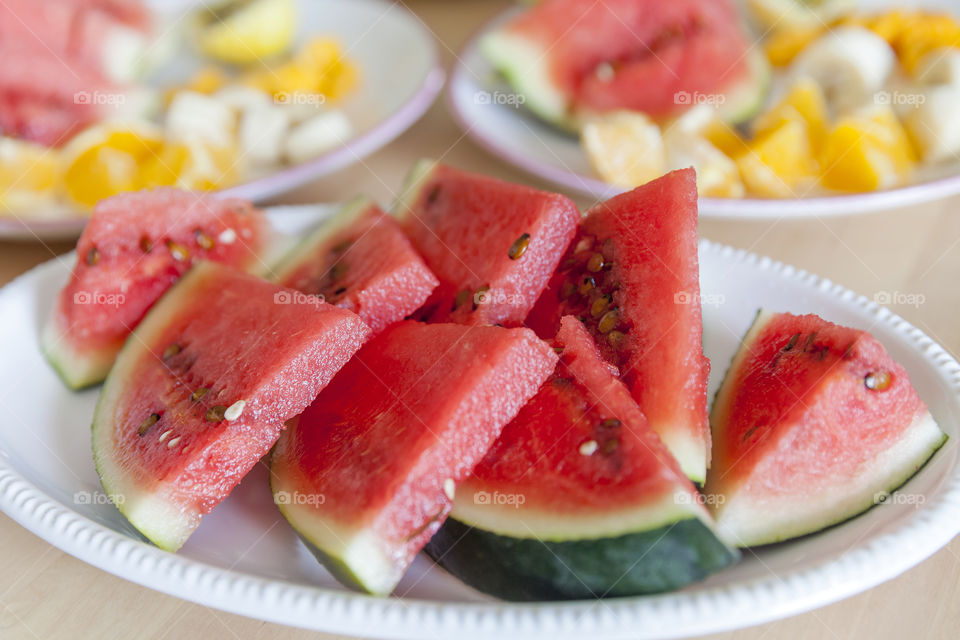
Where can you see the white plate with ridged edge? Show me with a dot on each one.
(246, 560)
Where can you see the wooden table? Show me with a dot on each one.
(45, 593)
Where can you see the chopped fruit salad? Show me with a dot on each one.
(483, 374)
(260, 100)
(831, 100)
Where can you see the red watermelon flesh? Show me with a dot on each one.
(632, 274)
(813, 421)
(361, 261)
(203, 389)
(368, 473)
(492, 244)
(581, 447)
(134, 248)
(636, 54)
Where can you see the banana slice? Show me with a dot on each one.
(317, 135)
(194, 116)
(934, 126)
(940, 66)
(850, 63)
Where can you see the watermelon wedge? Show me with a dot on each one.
(134, 248)
(202, 390)
(573, 59)
(368, 473)
(632, 275)
(361, 261)
(492, 244)
(578, 498)
(813, 424)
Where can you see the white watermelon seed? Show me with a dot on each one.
(449, 487)
(165, 434)
(227, 236)
(173, 442)
(233, 411)
(588, 448)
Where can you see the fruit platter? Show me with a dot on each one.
(250, 97)
(785, 108)
(473, 410)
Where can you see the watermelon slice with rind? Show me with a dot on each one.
(492, 244)
(368, 472)
(632, 274)
(578, 498)
(134, 248)
(813, 424)
(202, 389)
(360, 260)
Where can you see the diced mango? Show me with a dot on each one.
(866, 151)
(804, 101)
(779, 163)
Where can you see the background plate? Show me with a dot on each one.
(400, 78)
(246, 559)
(483, 107)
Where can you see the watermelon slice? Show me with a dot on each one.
(202, 390)
(571, 59)
(632, 275)
(813, 424)
(492, 244)
(361, 261)
(368, 473)
(578, 498)
(134, 248)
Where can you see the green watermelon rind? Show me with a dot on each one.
(305, 250)
(646, 561)
(525, 67)
(158, 520)
(747, 524)
(353, 557)
(418, 176)
(77, 370)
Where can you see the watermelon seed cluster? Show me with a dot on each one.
(590, 279)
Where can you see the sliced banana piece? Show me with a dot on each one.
(933, 124)
(263, 134)
(850, 63)
(193, 116)
(317, 135)
(940, 66)
(242, 98)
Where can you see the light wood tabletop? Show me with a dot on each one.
(47, 594)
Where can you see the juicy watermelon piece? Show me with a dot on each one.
(813, 423)
(633, 274)
(202, 391)
(361, 261)
(368, 473)
(134, 248)
(578, 498)
(492, 244)
(574, 58)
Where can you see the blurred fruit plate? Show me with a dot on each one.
(247, 560)
(488, 110)
(400, 79)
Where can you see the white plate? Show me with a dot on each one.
(245, 559)
(487, 110)
(400, 78)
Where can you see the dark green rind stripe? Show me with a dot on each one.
(337, 567)
(638, 563)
